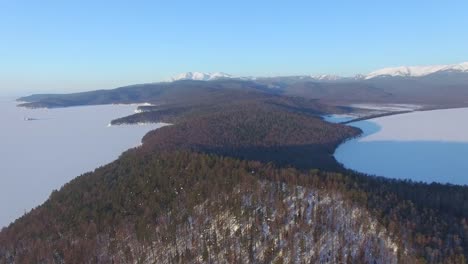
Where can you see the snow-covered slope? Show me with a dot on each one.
(326, 77)
(418, 71)
(201, 76)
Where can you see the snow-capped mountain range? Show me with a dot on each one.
(201, 76)
(402, 71)
(418, 71)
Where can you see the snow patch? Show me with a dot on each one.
(201, 76)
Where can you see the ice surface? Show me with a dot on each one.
(387, 107)
(428, 146)
(338, 118)
(449, 125)
(41, 155)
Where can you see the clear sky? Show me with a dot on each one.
(84, 45)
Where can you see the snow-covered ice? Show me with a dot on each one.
(428, 146)
(387, 107)
(448, 125)
(39, 156)
(338, 118)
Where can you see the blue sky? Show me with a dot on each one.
(84, 45)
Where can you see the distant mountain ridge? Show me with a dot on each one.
(418, 71)
(401, 71)
(421, 85)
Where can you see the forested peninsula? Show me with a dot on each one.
(245, 174)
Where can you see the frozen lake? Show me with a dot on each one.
(57, 145)
(428, 146)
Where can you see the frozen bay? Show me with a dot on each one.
(42, 149)
(427, 146)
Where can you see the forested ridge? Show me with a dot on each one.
(251, 179)
(108, 216)
(424, 91)
(256, 132)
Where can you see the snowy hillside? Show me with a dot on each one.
(417, 71)
(201, 76)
